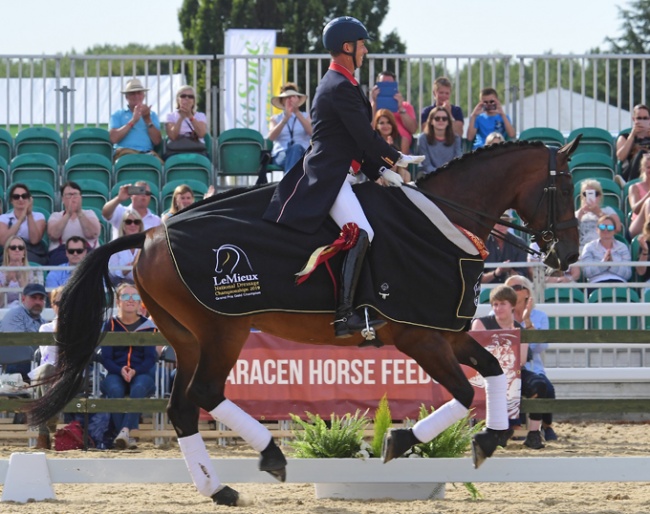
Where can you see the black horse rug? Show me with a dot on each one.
(420, 269)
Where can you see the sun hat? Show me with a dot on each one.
(133, 86)
(276, 101)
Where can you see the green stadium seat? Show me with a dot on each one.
(88, 166)
(4, 175)
(240, 151)
(6, 145)
(614, 295)
(35, 166)
(106, 228)
(549, 136)
(93, 140)
(591, 165)
(188, 166)
(626, 192)
(39, 140)
(198, 188)
(595, 140)
(44, 196)
(135, 167)
(93, 192)
(564, 295)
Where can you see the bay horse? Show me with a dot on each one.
(472, 191)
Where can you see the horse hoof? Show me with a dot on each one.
(272, 461)
(396, 442)
(485, 443)
(226, 496)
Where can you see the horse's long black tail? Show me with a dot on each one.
(83, 305)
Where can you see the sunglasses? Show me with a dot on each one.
(24, 196)
(608, 227)
(78, 251)
(127, 297)
(519, 287)
(440, 118)
(490, 102)
(187, 96)
(584, 193)
(16, 247)
(132, 222)
(642, 118)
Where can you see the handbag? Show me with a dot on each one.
(185, 143)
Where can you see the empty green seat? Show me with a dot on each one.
(188, 166)
(93, 140)
(88, 166)
(591, 165)
(6, 145)
(134, 167)
(240, 151)
(35, 166)
(614, 295)
(549, 136)
(593, 139)
(39, 140)
(564, 295)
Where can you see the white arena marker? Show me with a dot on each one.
(28, 478)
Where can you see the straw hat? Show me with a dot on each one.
(276, 101)
(133, 86)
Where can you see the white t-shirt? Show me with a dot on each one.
(186, 126)
(9, 219)
(149, 221)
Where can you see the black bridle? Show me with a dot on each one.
(547, 234)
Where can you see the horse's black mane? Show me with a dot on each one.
(479, 152)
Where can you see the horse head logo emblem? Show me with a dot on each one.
(228, 259)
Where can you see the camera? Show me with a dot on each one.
(136, 190)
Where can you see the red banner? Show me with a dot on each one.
(274, 377)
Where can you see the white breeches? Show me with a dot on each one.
(347, 209)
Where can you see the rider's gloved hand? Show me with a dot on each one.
(393, 179)
(405, 160)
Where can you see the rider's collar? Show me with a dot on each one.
(344, 71)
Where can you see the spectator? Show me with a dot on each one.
(605, 249)
(631, 147)
(290, 130)
(638, 197)
(23, 221)
(494, 138)
(386, 126)
(643, 270)
(503, 248)
(591, 208)
(131, 224)
(25, 317)
(129, 367)
(45, 370)
(135, 129)
(183, 197)
(438, 143)
(534, 319)
(15, 255)
(76, 248)
(503, 299)
(186, 124)
(441, 96)
(488, 116)
(113, 211)
(405, 114)
(73, 220)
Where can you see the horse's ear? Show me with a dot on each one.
(569, 148)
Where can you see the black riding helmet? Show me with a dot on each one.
(345, 29)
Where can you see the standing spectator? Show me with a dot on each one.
(113, 210)
(441, 98)
(631, 147)
(605, 249)
(438, 142)
(183, 197)
(506, 248)
(405, 114)
(488, 116)
(135, 129)
(638, 196)
(129, 367)
(290, 130)
(23, 221)
(591, 209)
(73, 220)
(76, 248)
(386, 126)
(15, 255)
(131, 224)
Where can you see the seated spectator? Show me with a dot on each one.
(643, 270)
(290, 130)
(405, 114)
(441, 96)
(76, 248)
(131, 224)
(591, 209)
(638, 196)
(631, 147)
(186, 124)
(605, 249)
(488, 116)
(183, 197)
(21, 220)
(531, 318)
(386, 126)
(493, 138)
(129, 367)
(15, 255)
(136, 128)
(503, 299)
(504, 249)
(73, 220)
(113, 210)
(438, 143)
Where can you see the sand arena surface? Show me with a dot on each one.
(580, 440)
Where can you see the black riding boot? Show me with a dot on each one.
(348, 321)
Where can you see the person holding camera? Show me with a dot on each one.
(404, 114)
(632, 146)
(591, 208)
(488, 116)
(140, 195)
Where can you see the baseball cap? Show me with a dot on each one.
(32, 289)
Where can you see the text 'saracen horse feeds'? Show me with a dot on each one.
(216, 270)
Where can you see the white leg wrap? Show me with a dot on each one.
(496, 403)
(428, 428)
(199, 465)
(249, 429)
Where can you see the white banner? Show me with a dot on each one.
(247, 80)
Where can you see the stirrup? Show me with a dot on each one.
(368, 333)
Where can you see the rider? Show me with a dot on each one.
(342, 140)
